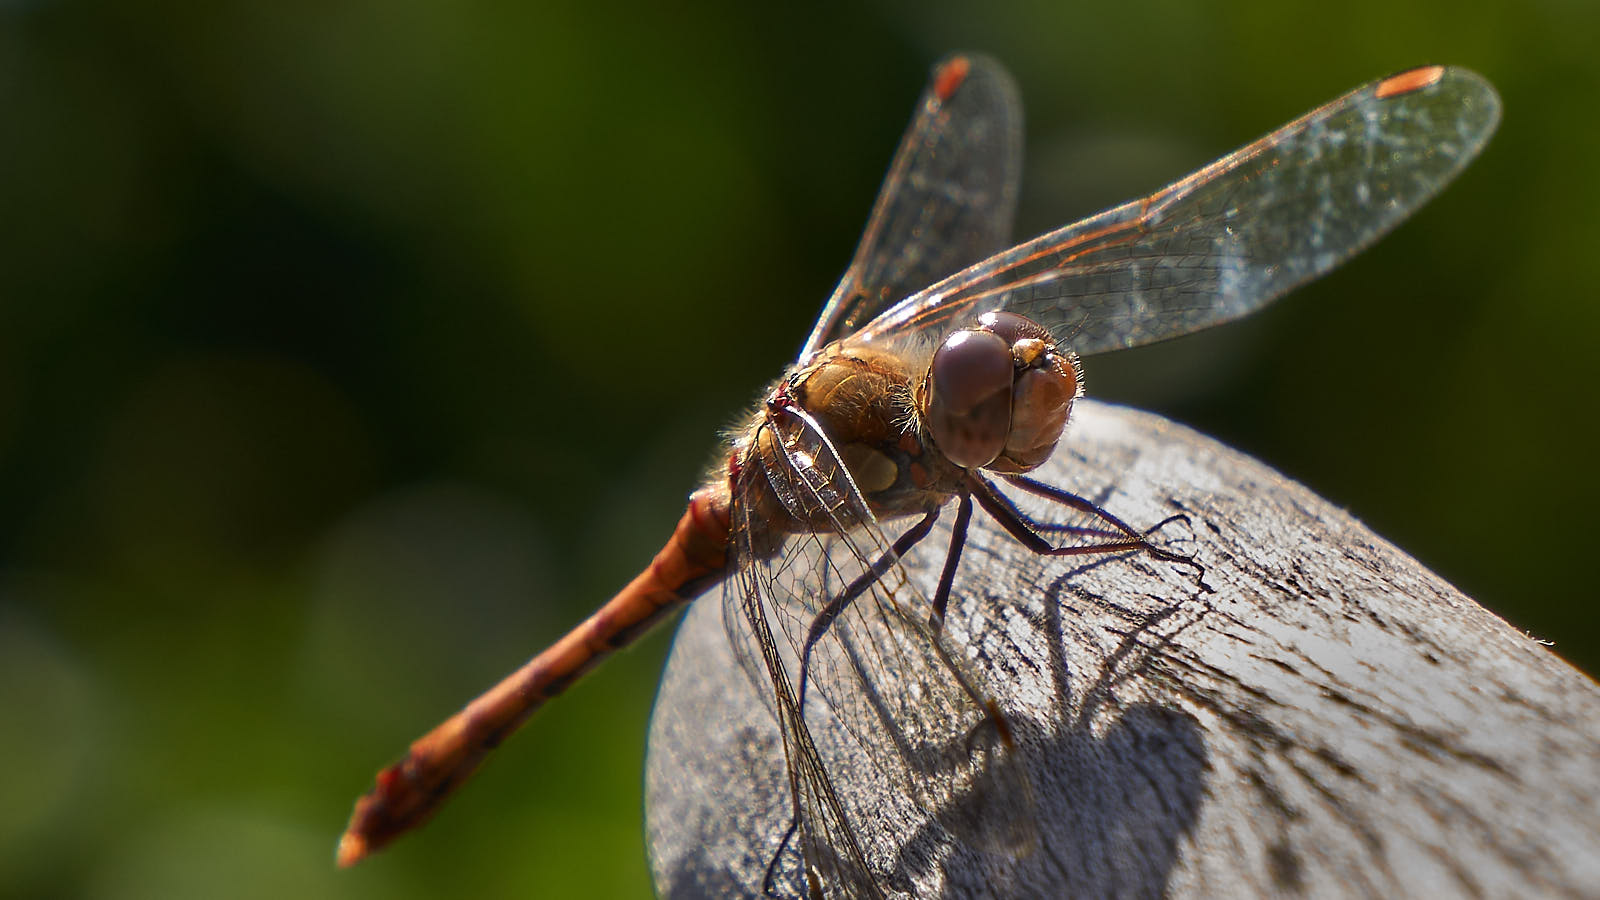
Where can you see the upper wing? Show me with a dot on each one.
(1233, 236)
(947, 201)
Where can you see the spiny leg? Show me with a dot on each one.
(836, 607)
(769, 882)
(1113, 529)
(1026, 530)
(958, 540)
(1073, 501)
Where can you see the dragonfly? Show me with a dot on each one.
(942, 371)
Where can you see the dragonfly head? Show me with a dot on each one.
(997, 394)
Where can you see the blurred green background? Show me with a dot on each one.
(351, 351)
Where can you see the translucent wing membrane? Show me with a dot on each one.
(947, 202)
(866, 694)
(1233, 236)
(821, 613)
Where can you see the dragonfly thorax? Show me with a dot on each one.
(997, 395)
(861, 418)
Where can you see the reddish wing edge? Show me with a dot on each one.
(949, 76)
(1408, 81)
(408, 792)
(1101, 281)
(946, 202)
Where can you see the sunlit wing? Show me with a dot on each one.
(1233, 236)
(886, 709)
(866, 694)
(827, 844)
(947, 202)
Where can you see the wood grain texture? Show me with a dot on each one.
(1332, 720)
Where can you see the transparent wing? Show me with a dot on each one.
(1233, 236)
(870, 701)
(947, 202)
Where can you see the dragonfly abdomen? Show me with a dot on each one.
(407, 793)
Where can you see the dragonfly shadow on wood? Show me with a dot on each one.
(1113, 785)
(1094, 834)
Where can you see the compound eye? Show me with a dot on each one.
(1041, 402)
(968, 405)
(1013, 328)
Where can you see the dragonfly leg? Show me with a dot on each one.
(1116, 537)
(958, 540)
(769, 882)
(836, 607)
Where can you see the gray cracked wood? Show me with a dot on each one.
(1333, 720)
